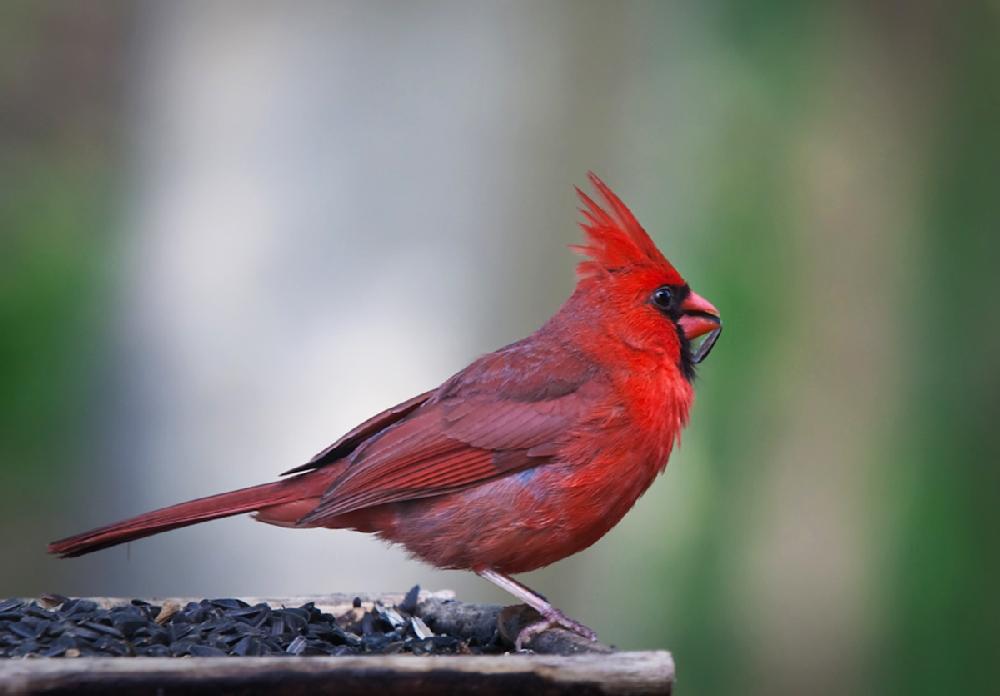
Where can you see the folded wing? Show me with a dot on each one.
(475, 428)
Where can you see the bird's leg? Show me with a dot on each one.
(550, 615)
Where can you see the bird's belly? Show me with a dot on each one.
(515, 523)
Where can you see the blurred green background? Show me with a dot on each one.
(230, 231)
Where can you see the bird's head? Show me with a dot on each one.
(638, 294)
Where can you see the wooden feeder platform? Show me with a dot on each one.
(559, 662)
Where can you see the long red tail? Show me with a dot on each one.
(192, 512)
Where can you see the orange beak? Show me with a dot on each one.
(700, 317)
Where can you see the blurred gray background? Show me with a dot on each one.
(233, 230)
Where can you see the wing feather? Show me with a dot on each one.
(357, 436)
(481, 424)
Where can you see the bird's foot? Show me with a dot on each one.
(552, 619)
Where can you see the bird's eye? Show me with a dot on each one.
(663, 298)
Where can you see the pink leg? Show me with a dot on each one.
(551, 615)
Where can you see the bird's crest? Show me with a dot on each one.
(615, 239)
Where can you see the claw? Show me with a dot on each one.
(555, 619)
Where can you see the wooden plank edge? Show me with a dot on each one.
(618, 673)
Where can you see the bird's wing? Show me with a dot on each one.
(349, 442)
(484, 423)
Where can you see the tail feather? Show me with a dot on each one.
(192, 512)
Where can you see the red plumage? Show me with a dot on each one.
(526, 456)
(616, 241)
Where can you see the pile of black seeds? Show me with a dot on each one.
(220, 627)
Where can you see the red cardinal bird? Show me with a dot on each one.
(526, 456)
